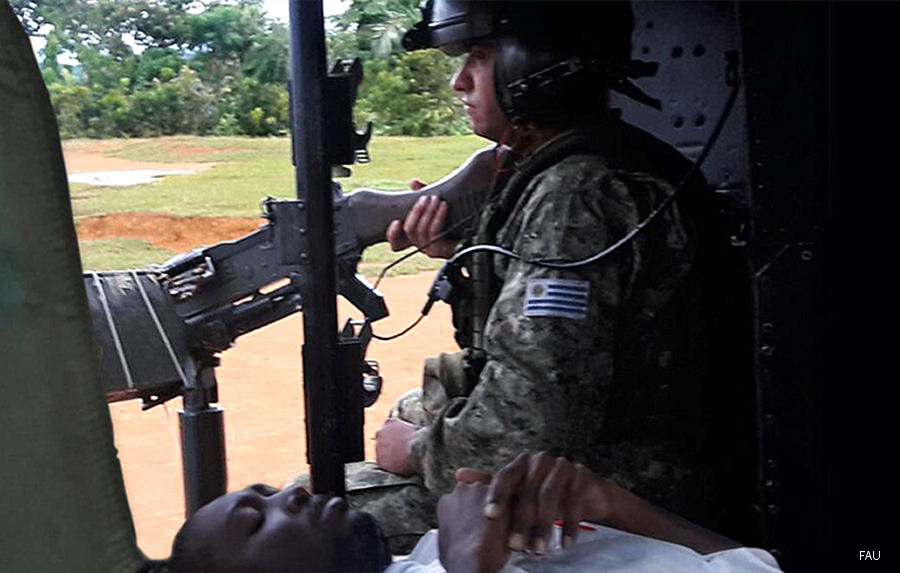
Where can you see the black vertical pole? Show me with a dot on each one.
(202, 428)
(313, 175)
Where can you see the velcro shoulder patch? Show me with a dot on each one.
(557, 298)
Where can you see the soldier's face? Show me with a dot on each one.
(475, 82)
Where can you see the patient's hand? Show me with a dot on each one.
(468, 541)
(532, 492)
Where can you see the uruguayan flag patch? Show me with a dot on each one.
(557, 297)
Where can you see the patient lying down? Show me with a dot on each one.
(538, 514)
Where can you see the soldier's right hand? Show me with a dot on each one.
(421, 226)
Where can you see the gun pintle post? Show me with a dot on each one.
(314, 187)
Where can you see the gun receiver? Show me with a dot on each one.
(157, 327)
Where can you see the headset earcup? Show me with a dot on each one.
(553, 102)
(515, 61)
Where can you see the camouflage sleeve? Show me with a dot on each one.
(545, 383)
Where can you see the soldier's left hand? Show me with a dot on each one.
(392, 443)
(421, 227)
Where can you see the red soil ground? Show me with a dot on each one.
(177, 234)
(260, 379)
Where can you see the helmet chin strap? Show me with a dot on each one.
(511, 137)
(528, 138)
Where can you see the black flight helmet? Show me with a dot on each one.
(555, 60)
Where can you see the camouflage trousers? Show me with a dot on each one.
(404, 509)
(402, 506)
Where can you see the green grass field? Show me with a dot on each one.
(251, 169)
(248, 170)
(113, 254)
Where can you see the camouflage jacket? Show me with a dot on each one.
(604, 363)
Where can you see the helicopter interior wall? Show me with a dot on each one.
(771, 157)
(689, 41)
(787, 78)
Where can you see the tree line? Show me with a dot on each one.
(145, 68)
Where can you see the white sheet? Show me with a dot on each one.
(610, 551)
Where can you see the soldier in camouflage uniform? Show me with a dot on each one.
(606, 363)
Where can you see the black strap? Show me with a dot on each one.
(497, 209)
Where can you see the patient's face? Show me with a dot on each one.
(261, 529)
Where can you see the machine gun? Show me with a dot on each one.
(157, 327)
